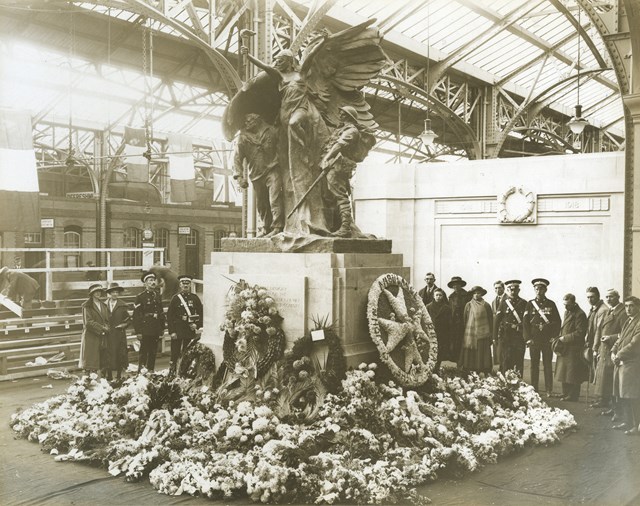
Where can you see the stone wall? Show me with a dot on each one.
(445, 218)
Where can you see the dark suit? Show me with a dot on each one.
(116, 356)
(179, 320)
(19, 287)
(495, 305)
(426, 294)
(148, 321)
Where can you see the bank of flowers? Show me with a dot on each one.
(369, 443)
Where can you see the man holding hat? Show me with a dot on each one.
(508, 328)
(571, 369)
(457, 300)
(541, 325)
(148, 321)
(184, 320)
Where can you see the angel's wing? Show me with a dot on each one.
(341, 65)
(259, 95)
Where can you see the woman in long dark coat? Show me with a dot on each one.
(116, 356)
(571, 369)
(95, 318)
(440, 313)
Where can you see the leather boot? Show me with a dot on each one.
(345, 220)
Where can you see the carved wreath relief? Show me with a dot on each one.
(401, 328)
(517, 205)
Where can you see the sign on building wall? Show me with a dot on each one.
(184, 230)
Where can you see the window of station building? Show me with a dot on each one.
(192, 238)
(33, 238)
(218, 235)
(72, 239)
(161, 240)
(132, 238)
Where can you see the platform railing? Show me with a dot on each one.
(48, 270)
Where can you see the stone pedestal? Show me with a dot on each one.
(304, 285)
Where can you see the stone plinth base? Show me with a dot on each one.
(305, 286)
(313, 244)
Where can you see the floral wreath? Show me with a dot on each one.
(402, 330)
(253, 329)
(526, 216)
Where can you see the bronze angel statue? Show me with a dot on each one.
(323, 122)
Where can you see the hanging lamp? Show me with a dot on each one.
(428, 136)
(577, 123)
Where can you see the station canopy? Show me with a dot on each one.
(91, 62)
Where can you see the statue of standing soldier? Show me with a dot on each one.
(257, 148)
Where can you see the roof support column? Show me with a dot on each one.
(631, 101)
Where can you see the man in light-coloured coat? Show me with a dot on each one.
(594, 332)
(625, 355)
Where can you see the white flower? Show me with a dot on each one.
(233, 432)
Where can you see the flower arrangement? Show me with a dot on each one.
(253, 334)
(368, 442)
(402, 330)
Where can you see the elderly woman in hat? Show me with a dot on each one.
(95, 317)
(478, 329)
(116, 357)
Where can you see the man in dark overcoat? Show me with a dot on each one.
(184, 320)
(571, 368)
(427, 292)
(625, 355)
(508, 328)
(611, 328)
(148, 321)
(541, 326)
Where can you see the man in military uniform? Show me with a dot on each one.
(508, 328)
(541, 324)
(148, 321)
(184, 320)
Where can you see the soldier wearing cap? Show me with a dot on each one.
(348, 145)
(148, 321)
(508, 328)
(184, 320)
(541, 325)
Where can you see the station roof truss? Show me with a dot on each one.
(496, 77)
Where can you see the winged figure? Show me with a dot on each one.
(304, 99)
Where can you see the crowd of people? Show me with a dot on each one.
(103, 346)
(601, 348)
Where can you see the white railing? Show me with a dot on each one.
(48, 271)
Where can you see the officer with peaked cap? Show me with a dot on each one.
(541, 325)
(184, 320)
(148, 321)
(508, 328)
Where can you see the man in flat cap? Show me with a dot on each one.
(184, 320)
(508, 328)
(541, 325)
(594, 332)
(148, 321)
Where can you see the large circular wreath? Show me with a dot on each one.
(526, 216)
(253, 334)
(402, 330)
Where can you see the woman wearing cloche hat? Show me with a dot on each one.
(95, 318)
(116, 356)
